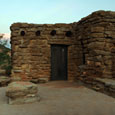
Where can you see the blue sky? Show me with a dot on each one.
(48, 11)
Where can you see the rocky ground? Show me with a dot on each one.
(62, 98)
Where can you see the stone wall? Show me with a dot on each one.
(31, 49)
(91, 47)
(97, 35)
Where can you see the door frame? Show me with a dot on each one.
(66, 60)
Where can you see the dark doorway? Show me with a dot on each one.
(59, 62)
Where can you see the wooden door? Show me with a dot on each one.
(58, 62)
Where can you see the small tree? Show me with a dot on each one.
(5, 59)
(2, 42)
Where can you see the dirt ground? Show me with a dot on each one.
(62, 98)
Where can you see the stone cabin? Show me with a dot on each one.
(84, 49)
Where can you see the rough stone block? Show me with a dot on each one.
(22, 92)
(97, 29)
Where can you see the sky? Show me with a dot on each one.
(48, 11)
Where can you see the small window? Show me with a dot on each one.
(22, 33)
(38, 33)
(53, 32)
(68, 34)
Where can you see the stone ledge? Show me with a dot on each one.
(106, 86)
(107, 82)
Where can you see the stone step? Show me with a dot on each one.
(2, 72)
(4, 80)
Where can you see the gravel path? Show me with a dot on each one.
(62, 98)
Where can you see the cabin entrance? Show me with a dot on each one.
(59, 62)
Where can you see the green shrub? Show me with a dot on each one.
(8, 70)
(5, 59)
